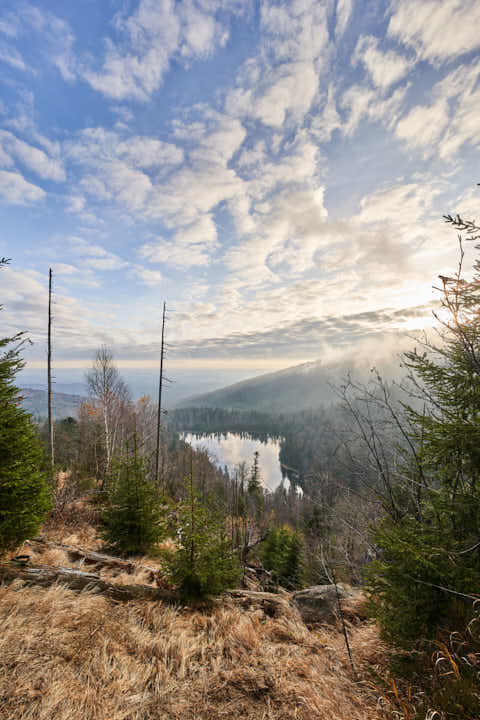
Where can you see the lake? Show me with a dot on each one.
(230, 449)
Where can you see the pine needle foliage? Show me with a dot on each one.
(283, 554)
(204, 563)
(428, 567)
(134, 519)
(24, 492)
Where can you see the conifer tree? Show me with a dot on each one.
(255, 485)
(205, 562)
(134, 518)
(282, 554)
(428, 571)
(24, 495)
(292, 571)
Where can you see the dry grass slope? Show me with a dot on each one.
(65, 656)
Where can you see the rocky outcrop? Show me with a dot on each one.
(319, 604)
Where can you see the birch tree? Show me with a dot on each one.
(112, 399)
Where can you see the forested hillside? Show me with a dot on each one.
(301, 388)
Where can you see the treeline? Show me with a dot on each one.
(259, 426)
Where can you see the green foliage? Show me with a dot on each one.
(282, 554)
(254, 487)
(24, 494)
(428, 569)
(133, 520)
(205, 563)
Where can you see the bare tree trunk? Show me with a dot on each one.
(45, 575)
(49, 374)
(159, 410)
(94, 558)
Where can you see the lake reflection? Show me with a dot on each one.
(231, 449)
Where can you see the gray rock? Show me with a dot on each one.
(318, 604)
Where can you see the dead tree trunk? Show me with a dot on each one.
(45, 576)
(49, 375)
(159, 410)
(94, 558)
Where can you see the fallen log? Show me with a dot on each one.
(94, 558)
(46, 575)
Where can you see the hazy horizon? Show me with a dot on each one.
(185, 382)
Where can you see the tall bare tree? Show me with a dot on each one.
(49, 374)
(159, 411)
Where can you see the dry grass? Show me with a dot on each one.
(70, 656)
(65, 656)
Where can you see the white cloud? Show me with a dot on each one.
(423, 125)
(450, 120)
(254, 156)
(212, 139)
(12, 57)
(149, 277)
(95, 256)
(134, 68)
(77, 326)
(56, 38)
(191, 246)
(295, 164)
(282, 83)
(118, 167)
(399, 204)
(5, 159)
(284, 240)
(35, 159)
(327, 119)
(63, 269)
(385, 67)
(145, 152)
(75, 203)
(439, 31)
(15, 190)
(365, 103)
(344, 11)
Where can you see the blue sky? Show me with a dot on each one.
(275, 171)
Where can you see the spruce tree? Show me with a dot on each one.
(204, 563)
(133, 521)
(24, 493)
(293, 567)
(255, 490)
(282, 554)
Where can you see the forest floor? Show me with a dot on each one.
(66, 655)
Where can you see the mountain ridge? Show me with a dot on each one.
(307, 386)
(36, 403)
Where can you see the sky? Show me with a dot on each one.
(275, 171)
